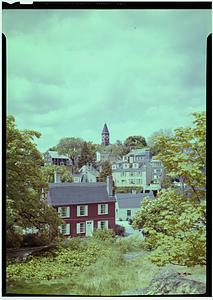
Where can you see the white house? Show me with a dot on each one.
(127, 204)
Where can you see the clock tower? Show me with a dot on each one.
(105, 136)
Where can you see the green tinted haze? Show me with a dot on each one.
(137, 70)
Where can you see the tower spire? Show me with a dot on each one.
(105, 135)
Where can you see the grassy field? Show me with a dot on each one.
(105, 268)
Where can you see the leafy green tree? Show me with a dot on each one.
(48, 173)
(106, 170)
(135, 142)
(175, 223)
(24, 183)
(151, 141)
(87, 154)
(72, 147)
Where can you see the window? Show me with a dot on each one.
(103, 224)
(65, 229)
(128, 212)
(80, 227)
(82, 210)
(64, 212)
(102, 209)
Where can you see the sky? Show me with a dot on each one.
(70, 71)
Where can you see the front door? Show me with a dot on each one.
(89, 228)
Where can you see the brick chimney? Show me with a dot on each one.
(110, 189)
(57, 177)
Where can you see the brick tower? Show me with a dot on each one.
(105, 136)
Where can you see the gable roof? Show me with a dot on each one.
(78, 193)
(128, 200)
(54, 154)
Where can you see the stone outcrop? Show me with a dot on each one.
(168, 283)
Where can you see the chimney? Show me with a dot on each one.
(57, 177)
(110, 185)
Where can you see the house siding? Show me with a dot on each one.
(92, 215)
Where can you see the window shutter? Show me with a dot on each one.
(99, 224)
(106, 224)
(99, 209)
(68, 212)
(67, 228)
(78, 211)
(78, 228)
(86, 210)
(106, 208)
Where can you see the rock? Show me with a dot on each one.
(168, 283)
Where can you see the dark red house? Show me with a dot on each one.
(83, 206)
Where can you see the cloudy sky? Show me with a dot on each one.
(137, 70)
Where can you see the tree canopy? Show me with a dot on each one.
(134, 142)
(48, 173)
(106, 170)
(175, 223)
(72, 147)
(88, 153)
(24, 182)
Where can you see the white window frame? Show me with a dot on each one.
(106, 224)
(61, 214)
(81, 227)
(103, 211)
(65, 229)
(79, 214)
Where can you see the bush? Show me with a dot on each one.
(13, 239)
(103, 234)
(35, 239)
(130, 221)
(119, 230)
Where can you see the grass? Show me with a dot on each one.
(108, 275)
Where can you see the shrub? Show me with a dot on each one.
(35, 239)
(103, 234)
(119, 230)
(73, 243)
(13, 239)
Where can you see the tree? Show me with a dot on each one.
(48, 173)
(175, 223)
(135, 142)
(151, 141)
(72, 147)
(87, 154)
(106, 170)
(24, 183)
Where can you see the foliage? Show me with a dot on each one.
(25, 182)
(151, 141)
(184, 155)
(72, 147)
(35, 239)
(106, 170)
(127, 189)
(175, 223)
(119, 230)
(103, 234)
(48, 173)
(135, 142)
(87, 154)
(14, 239)
(129, 244)
(64, 262)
